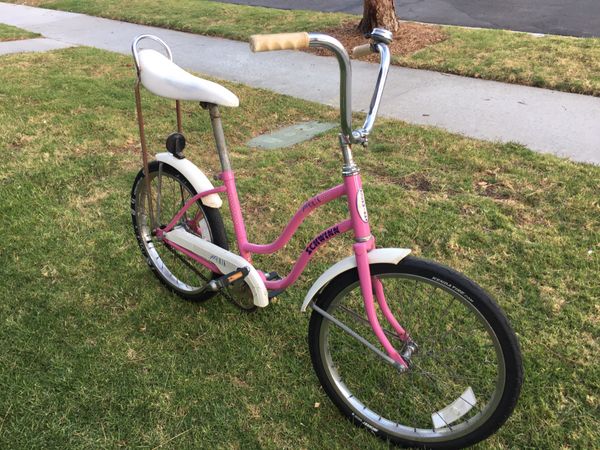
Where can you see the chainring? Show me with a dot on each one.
(241, 296)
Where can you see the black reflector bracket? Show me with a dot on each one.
(176, 144)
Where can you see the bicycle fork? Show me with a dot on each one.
(371, 286)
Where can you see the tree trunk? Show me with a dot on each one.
(379, 14)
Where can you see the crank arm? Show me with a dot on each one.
(227, 280)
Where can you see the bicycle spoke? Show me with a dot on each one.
(433, 379)
(186, 277)
(364, 321)
(159, 194)
(457, 353)
(358, 338)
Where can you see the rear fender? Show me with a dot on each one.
(194, 175)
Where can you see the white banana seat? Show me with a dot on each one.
(164, 78)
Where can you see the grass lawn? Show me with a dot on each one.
(8, 33)
(96, 353)
(554, 62)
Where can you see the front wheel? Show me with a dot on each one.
(463, 381)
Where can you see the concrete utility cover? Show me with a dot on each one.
(286, 137)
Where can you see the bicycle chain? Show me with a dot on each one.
(187, 263)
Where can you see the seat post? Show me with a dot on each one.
(217, 126)
(229, 181)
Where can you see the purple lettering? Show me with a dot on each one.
(324, 236)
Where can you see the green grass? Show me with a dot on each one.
(95, 353)
(9, 33)
(554, 62)
(200, 16)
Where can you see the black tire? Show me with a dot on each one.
(180, 274)
(478, 352)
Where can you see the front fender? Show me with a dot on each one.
(194, 175)
(377, 256)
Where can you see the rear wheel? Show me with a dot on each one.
(463, 381)
(181, 274)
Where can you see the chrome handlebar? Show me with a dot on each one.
(360, 135)
(330, 43)
(380, 40)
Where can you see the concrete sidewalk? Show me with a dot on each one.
(31, 45)
(543, 120)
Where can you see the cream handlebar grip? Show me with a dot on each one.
(280, 41)
(362, 50)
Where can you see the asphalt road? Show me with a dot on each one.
(566, 17)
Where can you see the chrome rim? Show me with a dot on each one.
(458, 351)
(180, 271)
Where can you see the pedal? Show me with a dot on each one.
(228, 279)
(273, 276)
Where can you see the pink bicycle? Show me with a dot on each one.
(409, 349)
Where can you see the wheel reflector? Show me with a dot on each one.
(454, 410)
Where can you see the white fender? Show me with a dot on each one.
(225, 260)
(377, 256)
(195, 176)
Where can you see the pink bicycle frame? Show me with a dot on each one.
(358, 222)
(351, 188)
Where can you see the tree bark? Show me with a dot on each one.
(379, 14)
